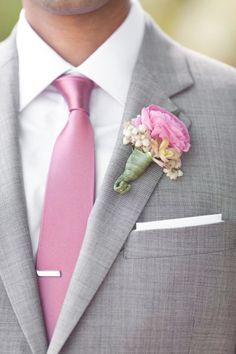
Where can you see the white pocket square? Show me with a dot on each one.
(180, 222)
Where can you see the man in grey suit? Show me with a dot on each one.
(155, 290)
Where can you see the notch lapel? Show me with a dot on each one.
(16, 260)
(160, 72)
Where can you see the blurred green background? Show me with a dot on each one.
(207, 26)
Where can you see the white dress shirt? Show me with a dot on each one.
(43, 112)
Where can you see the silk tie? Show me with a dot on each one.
(68, 200)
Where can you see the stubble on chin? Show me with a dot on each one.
(71, 7)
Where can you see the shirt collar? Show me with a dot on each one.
(110, 66)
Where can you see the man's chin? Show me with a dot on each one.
(71, 7)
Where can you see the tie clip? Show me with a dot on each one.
(49, 273)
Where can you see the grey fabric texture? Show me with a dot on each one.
(135, 292)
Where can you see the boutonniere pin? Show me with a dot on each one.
(156, 135)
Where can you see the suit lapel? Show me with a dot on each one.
(16, 259)
(160, 72)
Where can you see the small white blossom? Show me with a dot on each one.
(146, 142)
(130, 127)
(127, 133)
(134, 131)
(125, 140)
(173, 173)
(180, 173)
(138, 143)
(142, 128)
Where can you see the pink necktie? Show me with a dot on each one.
(68, 200)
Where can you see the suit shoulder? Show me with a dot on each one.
(211, 71)
(202, 68)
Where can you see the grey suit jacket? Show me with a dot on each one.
(135, 292)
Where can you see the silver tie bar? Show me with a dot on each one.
(48, 273)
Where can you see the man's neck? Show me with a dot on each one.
(76, 37)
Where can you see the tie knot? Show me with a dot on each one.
(76, 90)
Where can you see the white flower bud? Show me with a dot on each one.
(173, 176)
(180, 173)
(138, 143)
(127, 133)
(146, 142)
(125, 141)
(142, 128)
(130, 127)
(134, 131)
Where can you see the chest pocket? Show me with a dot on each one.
(182, 241)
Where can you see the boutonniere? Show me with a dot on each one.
(156, 135)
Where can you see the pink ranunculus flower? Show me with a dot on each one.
(164, 125)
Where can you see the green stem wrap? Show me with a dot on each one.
(136, 164)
